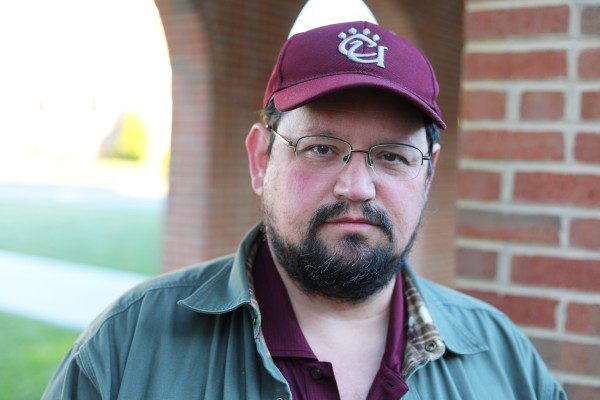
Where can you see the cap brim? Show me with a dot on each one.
(302, 93)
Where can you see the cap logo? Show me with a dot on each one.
(356, 40)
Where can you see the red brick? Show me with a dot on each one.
(590, 20)
(581, 392)
(585, 233)
(478, 185)
(552, 188)
(557, 272)
(589, 62)
(476, 263)
(542, 105)
(583, 318)
(587, 147)
(523, 310)
(590, 105)
(514, 22)
(483, 104)
(508, 227)
(569, 356)
(526, 65)
(512, 145)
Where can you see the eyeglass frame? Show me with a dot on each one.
(287, 142)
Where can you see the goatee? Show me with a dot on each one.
(352, 271)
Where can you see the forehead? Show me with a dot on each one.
(366, 113)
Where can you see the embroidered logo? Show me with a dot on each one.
(356, 40)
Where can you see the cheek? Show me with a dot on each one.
(404, 203)
(299, 181)
(304, 192)
(293, 195)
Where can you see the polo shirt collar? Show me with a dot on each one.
(280, 327)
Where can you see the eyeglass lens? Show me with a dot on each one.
(329, 155)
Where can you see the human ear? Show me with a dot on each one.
(257, 145)
(435, 152)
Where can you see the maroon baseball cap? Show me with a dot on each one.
(351, 54)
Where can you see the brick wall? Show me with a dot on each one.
(185, 29)
(529, 181)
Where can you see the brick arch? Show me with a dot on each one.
(221, 54)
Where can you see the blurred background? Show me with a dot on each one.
(85, 131)
(121, 156)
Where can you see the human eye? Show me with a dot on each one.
(395, 157)
(392, 157)
(320, 148)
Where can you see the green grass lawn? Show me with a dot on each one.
(121, 239)
(30, 352)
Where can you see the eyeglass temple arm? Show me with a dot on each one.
(278, 135)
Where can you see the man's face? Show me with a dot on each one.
(345, 230)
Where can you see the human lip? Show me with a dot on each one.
(351, 221)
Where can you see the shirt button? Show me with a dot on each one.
(316, 373)
(431, 346)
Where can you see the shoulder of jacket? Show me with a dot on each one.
(193, 275)
(472, 314)
(176, 284)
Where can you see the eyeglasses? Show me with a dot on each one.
(322, 154)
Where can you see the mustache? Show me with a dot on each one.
(374, 215)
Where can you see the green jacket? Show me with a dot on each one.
(195, 334)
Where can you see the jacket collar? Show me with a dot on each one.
(456, 337)
(228, 289)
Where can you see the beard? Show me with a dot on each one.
(349, 273)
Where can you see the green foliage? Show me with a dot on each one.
(132, 140)
(31, 352)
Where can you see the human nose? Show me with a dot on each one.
(355, 181)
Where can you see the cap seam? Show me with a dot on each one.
(363, 67)
(280, 61)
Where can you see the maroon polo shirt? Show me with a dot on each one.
(309, 377)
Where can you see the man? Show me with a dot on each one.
(319, 302)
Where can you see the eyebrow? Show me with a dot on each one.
(387, 140)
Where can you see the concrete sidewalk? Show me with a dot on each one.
(59, 292)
